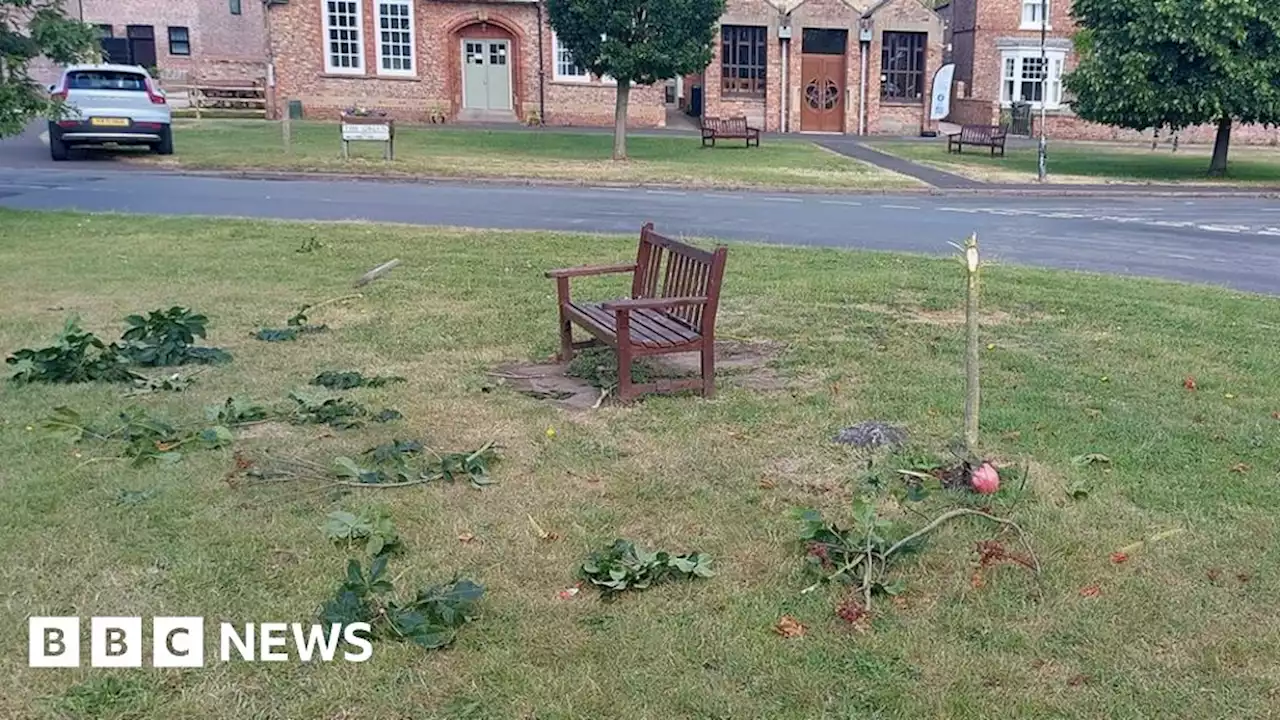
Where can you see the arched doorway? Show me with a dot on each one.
(487, 74)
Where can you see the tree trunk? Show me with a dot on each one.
(1218, 166)
(620, 121)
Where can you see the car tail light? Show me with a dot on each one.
(156, 98)
(59, 95)
(148, 125)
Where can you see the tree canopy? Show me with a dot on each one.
(1178, 63)
(636, 42)
(30, 29)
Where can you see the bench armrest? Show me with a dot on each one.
(591, 270)
(652, 303)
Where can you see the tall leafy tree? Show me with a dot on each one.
(30, 29)
(636, 42)
(1176, 63)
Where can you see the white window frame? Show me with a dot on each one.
(412, 70)
(1031, 12)
(1013, 58)
(329, 67)
(557, 75)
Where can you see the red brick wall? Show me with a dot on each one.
(297, 39)
(899, 118)
(996, 19)
(223, 46)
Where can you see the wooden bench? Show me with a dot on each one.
(991, 136)
(675, 291)
(732, 128)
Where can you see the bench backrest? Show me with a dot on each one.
(726, 125)
(669, 268)
(978, 133)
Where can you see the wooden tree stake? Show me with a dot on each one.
(971, 389)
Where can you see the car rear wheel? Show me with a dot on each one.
(57, 146)
(165, 146)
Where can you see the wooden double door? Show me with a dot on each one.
(823, 78)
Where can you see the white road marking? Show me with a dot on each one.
(781, 199)
(959, 210)
(1269, 231)
(1064, 215)
(901, 207)
(1224, 228)
(724, 197)
(1174, 223)
(841, 202)
(1180, 257)
(666, 192)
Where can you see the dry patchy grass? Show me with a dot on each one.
(1174, 631)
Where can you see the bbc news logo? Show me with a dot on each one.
(117, 642)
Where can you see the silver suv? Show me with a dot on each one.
(109, 104)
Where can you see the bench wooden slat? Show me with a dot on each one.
(730, 128)
(678, 287)
(990, 136)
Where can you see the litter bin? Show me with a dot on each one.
(1020, 118)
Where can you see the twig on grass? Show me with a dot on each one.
(604, 392)
(869, 556)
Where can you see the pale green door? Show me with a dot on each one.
(486, 75)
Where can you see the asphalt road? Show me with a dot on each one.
(1233, 242)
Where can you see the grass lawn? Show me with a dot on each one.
(1097, 162)
(552, 155)
(1186, 627)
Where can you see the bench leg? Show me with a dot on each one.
(566, 325)
(709, 368)
(625, 392)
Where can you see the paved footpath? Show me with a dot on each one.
(1227, 241)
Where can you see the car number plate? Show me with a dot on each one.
(110, 122)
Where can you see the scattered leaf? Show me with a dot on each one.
(1228, 396)
(542, 534)
(570, 593)
(1078, 490)
(768, 483)
(789, 627)
(1213, 574)
(1275, 415)
(1241, 468)
(1090, 591)
(1189, 383)
(466, 537)
(551, 433)
(1119, 557)
(1091, 459)
(1077, 680)
(1242, 577)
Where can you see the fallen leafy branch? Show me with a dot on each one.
(623, 567)
(143, 436)
(336, 412)
(346, 380)
(863, 554)
(430, 618)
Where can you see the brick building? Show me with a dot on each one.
(486, 61)
(187, 40)
(996, 49)
(836, 66)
